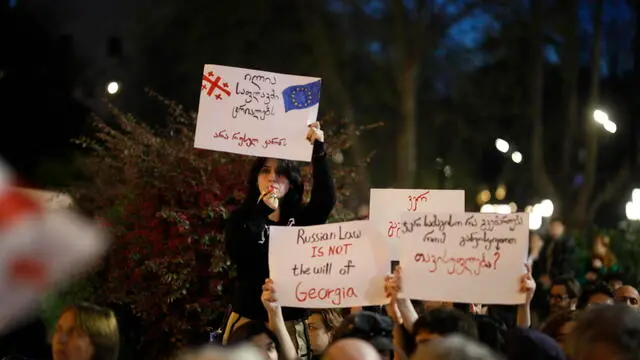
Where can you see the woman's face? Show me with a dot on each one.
(268, 178)
(70, 342)
(318, 334)
(266, 346)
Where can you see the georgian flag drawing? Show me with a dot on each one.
(40, 249)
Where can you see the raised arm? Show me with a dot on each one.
(527, 286)
(406, 312)
(323, 193)
(276, 321)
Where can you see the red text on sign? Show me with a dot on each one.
(452, 265)
(334, 295)
(331, 250)
(244, 140)
(415, 199)
(394, 229)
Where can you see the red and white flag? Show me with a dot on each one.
(40, 249)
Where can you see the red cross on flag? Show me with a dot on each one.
(40, 249)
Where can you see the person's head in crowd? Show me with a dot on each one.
(322, 325)
(627, 294)
(284, 176)
(453, 347)
(259, 335)
(605, 332)
(430, 305)
(556, 228)
(373, 328)
(602, 250)
(473, 309)
(491, 332)
(241, 352)
(559, 325)
(596, 294)
(614, 280)
(563, 294)
(440, 322)
(529, 344)
(86, 332)
(351, 349)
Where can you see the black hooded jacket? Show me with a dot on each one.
(247, 240)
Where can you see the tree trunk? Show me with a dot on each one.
(407, 144)
(591, 128)
(540, 178)
(325, 57)
(570, 71)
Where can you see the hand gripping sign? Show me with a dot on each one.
(40, 249)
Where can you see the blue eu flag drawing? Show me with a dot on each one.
(301, 96)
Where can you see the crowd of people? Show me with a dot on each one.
(568, 313)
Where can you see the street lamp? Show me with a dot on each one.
(546, 208)
(113, 87)
(502, 145)
(632, 209)
(516, 157)
(602, 118)
(610, 126)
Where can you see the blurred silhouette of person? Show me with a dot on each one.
(557, 257)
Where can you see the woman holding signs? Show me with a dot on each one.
(275, 197)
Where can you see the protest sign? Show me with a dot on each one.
(387, 205)
(259, 113)
(464, 257)
(328, 266)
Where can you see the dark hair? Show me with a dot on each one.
(331, 318)
(491, 332)
(556, 321)
(617, 326)
(249, 330)
(556, 220)
(614, 276)
(571, 284)
(290, 204)
(597, 288)
(444, 321)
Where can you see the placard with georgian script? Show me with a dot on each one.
(464, 257)
(387, 205)
(328, 266)
(259, 113)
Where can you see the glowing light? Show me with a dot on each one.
(546, 208)
(516, 157)
(535, 221)
(632, 210)
(600, 117)
(502, 145)
(488, 208)
(113, 87)
(610, 127)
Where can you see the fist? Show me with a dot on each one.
(270, 198)
(315, 133)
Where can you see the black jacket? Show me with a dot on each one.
(247, 242)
